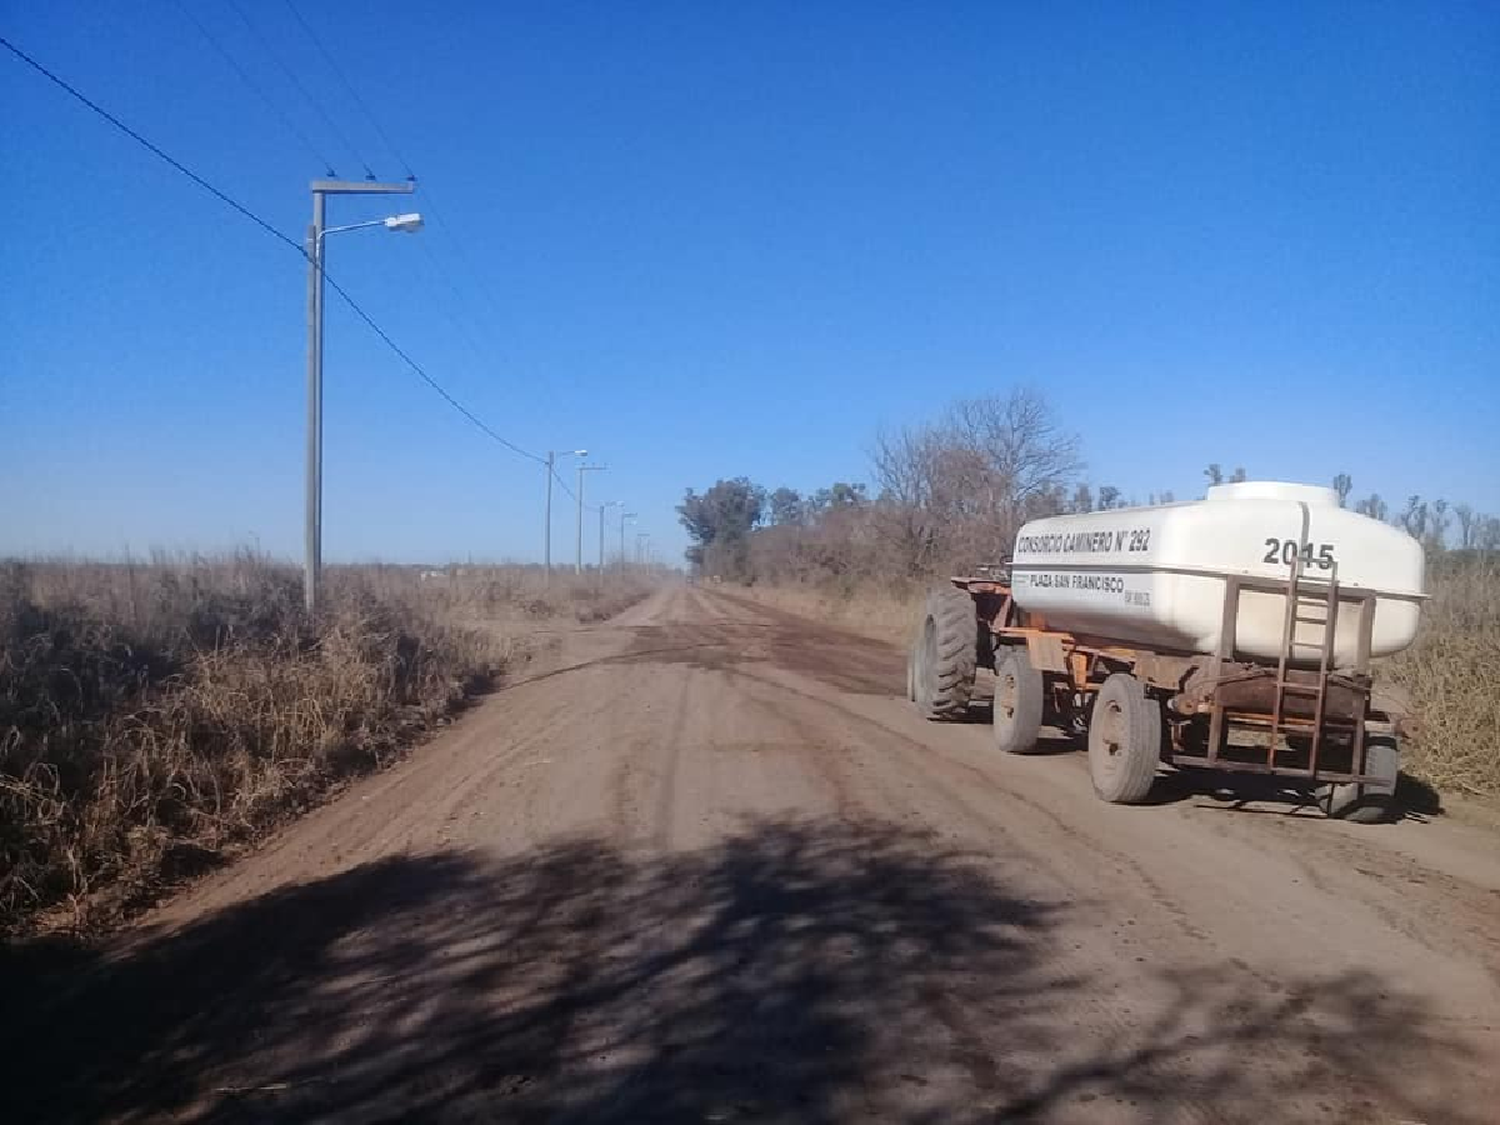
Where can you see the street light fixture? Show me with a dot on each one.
(552, 456)
(316, 232)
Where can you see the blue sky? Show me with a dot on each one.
(708, 240)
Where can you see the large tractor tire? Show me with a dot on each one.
(945, 654)
(1124, 740)
(1368, 804)
(1020, 694)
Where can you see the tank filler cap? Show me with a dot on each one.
(1314, 494)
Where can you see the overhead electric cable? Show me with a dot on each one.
(239, 207)
(291, 76)
(285, 118)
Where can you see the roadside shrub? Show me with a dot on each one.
(1451, 674)
(153, 715)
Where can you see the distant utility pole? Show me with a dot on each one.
(642, 541)
(321, 190)
(611, 504)
(578, 553)
(624, 516)
(552, 456)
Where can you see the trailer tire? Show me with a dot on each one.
(1020, 694)
(1124, 740)
(946, 654)
(1368, 804)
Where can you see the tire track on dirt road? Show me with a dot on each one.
(705, 863)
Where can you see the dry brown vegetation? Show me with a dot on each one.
(1453, 675)
(153, 716)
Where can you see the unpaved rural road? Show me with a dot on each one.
(707, 866)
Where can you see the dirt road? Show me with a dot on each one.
(709, 867)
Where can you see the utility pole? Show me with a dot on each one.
(602, 507)
(578, 552)
(623, 517)
(547, 535)
(313, 531)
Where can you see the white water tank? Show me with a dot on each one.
(1154, 578)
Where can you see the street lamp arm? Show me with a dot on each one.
(407, 223)
(326, 231)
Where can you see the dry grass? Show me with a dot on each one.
(1452, 673)
(153, 716)
(883, 614)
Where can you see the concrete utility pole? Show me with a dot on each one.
(578, 553)
(552, 456)
(321, 190)
(610, 504)
(624, 516)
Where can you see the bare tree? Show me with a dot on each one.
(958, 489)
(1488, 536)
(1374, 507)
(1414, 519)
(1343, 484)
(1024, 448)
(1437, 529)
(1468, 527)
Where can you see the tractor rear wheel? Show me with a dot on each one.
(945, 656)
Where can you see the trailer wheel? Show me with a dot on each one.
(946, 652)
(1124, 740)
(1019, 696)
(1368, 804)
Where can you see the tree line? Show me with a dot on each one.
(953, 492)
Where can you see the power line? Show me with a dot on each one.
(255, 87)
(564, 486)
(133, 135)
(297, 82)
(430, 205)
(349, 87)
(279, 236)
(428, 379)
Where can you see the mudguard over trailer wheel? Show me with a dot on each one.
(1020, 694)
(1368, 804)
(1124, 740)
(945, 656)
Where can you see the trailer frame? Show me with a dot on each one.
(1315, 723)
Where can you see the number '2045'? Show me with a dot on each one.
(1285, 550)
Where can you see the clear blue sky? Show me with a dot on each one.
(713, 239)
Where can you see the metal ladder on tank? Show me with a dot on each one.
(1306, 596)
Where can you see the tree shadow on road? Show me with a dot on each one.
(800, 971)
